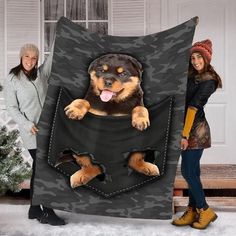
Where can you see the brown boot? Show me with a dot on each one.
(187, 218)
(205, 218)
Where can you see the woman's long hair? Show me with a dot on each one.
(207, 68)
(31, 75)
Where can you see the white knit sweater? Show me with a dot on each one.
(24, 100)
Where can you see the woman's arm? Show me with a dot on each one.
(189, 119)
(188, 123)
(45, 68)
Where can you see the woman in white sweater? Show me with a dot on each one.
(25, 91)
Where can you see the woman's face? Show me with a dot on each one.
(29, 60)
(197, 61)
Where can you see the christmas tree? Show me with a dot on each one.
(13, 169)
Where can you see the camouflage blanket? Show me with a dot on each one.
(165, 58)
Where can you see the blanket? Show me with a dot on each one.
(122, 192)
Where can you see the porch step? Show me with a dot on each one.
(214, 177)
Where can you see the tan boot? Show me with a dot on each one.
(205, 218)
(187, 218)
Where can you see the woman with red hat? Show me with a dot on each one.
(202, 83)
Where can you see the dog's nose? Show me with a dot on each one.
(108, 82)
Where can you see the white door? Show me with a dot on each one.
(217, 20)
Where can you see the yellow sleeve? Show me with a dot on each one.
(190, 116)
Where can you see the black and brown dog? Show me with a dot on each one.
(114, 90)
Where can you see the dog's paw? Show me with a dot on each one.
(77, 109)
(78, 179)
(74, 113)
(141, 123)
(137, 163)
(83, 160)
(84, 175)
(150, 169)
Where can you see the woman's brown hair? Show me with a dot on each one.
(207, 68)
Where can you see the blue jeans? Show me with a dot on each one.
(190, 169)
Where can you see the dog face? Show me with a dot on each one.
(114, 77)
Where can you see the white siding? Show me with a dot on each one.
(22, 26)
(128, 17)
(153, 16)
(2, 64)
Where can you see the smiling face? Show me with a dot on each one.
(29, 60)
(198, 62)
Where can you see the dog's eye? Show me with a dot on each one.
(120, 69)
(105, 67)
(100, 69)
(123, 74)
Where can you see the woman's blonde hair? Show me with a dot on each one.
(28, 47)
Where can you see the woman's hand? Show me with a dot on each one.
(34, 129)
(184, 144)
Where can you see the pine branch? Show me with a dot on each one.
(13, 169)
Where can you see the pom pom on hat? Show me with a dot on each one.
(204, 48)
(28, 47)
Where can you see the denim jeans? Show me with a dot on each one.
(190, 169)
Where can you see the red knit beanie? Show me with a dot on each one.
(204, 48)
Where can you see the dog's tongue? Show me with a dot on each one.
(106, 95)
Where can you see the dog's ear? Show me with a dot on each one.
(92, 65)
(137, 65)
(96, 62)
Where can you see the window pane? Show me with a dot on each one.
(76, 9)
(99, 27)
(53, 9)
(97, 9)
(49, 31)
